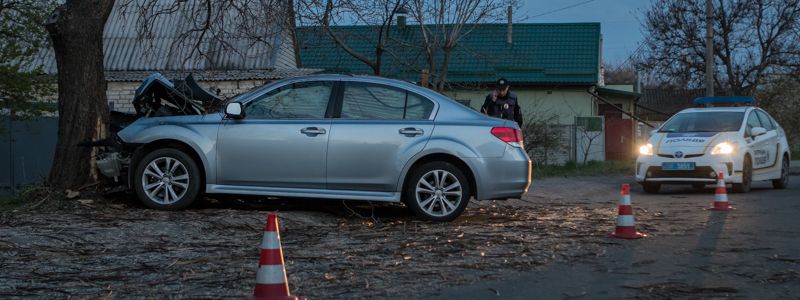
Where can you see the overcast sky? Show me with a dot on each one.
(619, 20)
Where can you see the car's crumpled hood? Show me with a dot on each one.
(157, 96)
(689, 143)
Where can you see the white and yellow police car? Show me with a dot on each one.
(741, 141)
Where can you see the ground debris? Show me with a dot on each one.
(358, 250)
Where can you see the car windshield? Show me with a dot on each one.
(704, 122)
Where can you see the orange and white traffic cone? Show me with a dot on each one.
(625, 224)
(721, 195)
(271, 280)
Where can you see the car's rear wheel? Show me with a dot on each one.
(167, 179)
(437, 191)
(651, 188)
(783, 182)
(747, 177)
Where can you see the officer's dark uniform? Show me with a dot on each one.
(505, 107)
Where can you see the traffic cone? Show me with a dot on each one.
(721, 195)
(271, 280)
(625, 227)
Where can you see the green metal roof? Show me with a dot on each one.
(564, 54)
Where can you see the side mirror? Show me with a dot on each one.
(234, 110)
(756, 131)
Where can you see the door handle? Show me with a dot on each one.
(411, 131)
(312, 131)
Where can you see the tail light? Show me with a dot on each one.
(510, 135)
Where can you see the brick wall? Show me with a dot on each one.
(120, 94)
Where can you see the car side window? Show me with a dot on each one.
(370, 101)
(418, 108)
(765, 120)
(300, 100)
(752, 122)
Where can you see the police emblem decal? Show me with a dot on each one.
(505, 106)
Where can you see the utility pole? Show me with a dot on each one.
(709, 48)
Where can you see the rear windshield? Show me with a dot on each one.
(704, 122)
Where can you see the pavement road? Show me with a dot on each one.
(752, 252)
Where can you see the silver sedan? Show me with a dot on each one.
(325, 136)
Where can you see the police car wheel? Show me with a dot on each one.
(783, 182)
(747, 177)
(651, 188)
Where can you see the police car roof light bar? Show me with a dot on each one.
(725, 101)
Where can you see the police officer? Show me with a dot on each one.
(501, 103)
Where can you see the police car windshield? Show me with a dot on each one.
(707, 121)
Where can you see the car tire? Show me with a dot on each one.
(747, 177)
(783, 181)
(167, 179)
(651, 188)
(437, 191)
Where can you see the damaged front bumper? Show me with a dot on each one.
(113, 164)
(157, 96)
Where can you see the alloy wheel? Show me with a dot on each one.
(438, 193)
(165, 180)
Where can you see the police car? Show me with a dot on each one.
(741, 141)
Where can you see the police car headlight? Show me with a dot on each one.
(646, 149)
(722, 148)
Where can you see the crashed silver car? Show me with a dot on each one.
(323, 136)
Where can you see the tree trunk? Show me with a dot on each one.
(292, 27)
(376, 68)
(444, 69)
(76, 31)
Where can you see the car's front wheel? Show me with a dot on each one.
(437, 191)
(783, 182)
(747, 177)
(167, 179)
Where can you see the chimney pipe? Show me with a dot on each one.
(508, 38)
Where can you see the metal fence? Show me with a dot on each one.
(26, 151)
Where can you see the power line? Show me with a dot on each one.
(563, 8)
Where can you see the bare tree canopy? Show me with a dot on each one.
(444, 23)
(223, 33)
(377, 15)
(752, 40)
(619, 74)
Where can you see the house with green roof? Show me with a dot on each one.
(555, 69)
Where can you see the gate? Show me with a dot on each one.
(26, 151)
(619, 138)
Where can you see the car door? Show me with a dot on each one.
(281, 141)
(378, 130)
(770, 138)
(758, 145)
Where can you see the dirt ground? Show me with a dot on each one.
(115, 247)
